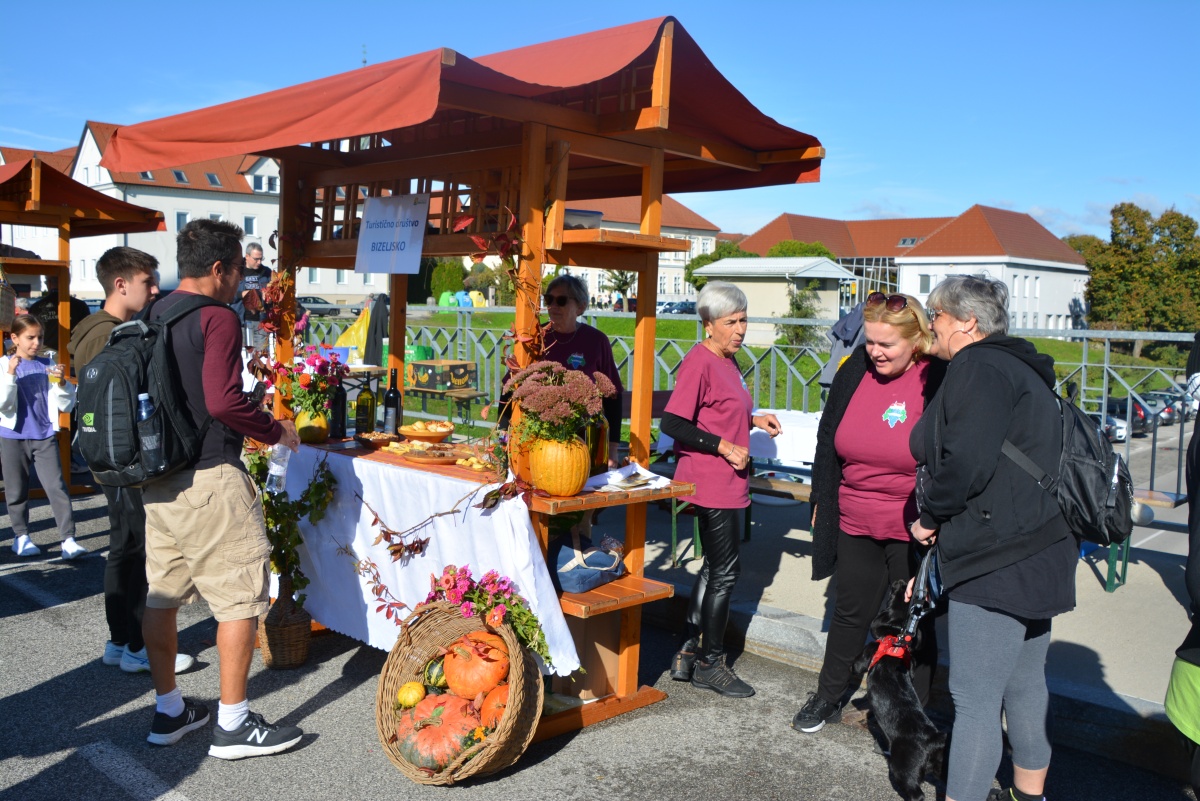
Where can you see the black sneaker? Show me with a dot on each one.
(720, 678)
(815, 713)
(255, 737)
(168, 731)
(684, 661)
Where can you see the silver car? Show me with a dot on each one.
(319, 306)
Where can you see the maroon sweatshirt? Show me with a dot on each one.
(208, 352)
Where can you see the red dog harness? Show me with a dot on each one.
(891, 645)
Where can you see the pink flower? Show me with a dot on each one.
(468, 609)
(496, 616)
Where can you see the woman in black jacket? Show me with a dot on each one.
(863, 490)
(1006, 556)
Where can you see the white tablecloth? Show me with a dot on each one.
(500, 539)
(795, 445)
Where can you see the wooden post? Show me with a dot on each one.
(532, 217)
(290, 229)
(64, 332)
(397, 329)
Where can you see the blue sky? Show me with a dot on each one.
(1059, 109)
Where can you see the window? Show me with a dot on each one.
(342, 277)
(362, 190)
(677, 284)
(273, 184)
(257, 183)
(368, 279)
(907, 241)
(86, 180)
(705, 246)
(181, 219)
(213, 179)
(926, 280)
(1037, 288)
(340, 193)
(180, 176)
(250, 225)
(146, 175)
(1035, 320)
(216, 217)
(662, 284)
(312, 275)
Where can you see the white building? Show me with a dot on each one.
(624, 214)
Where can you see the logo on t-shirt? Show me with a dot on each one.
(896, 413)
(575, 361)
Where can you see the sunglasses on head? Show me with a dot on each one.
(894, 303)
(556, 300)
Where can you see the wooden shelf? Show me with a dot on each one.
(1162, 500)
(585, 715)
(620, 593)
(554, 505)
(780, 488)
(607, 237)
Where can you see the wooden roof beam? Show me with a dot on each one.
(450, 164)
(442, 146)
(317, 156)
(511, 107)
(657, 116)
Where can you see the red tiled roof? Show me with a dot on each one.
(986, 231)
(882, 238)
(833, 234)
(228, 170)
(58, 159)
(735, 238)
(629, 210)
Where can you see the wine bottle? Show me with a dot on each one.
(364, 412)
(391, 407)
(337, 414)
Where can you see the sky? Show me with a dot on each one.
(1057, 108)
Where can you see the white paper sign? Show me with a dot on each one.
(392, 234)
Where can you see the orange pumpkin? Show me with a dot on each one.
(435, 731)
(475, 664)
(559, 468)
(493, 706)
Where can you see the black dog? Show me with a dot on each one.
(917, 746)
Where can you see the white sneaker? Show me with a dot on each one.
(71, 549)
(138, 662)
(23, 546)
(112, 653)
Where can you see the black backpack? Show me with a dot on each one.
(1093, 487)
(137, 359)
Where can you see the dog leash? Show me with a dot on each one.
(922, 603)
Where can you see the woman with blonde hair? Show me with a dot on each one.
(864, 478)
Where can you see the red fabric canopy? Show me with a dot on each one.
(64, 196)
(405, 92)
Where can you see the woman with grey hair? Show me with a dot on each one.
(1006, 556)
(578, 346)
(710, 415)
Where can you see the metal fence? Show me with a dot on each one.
(781, 376)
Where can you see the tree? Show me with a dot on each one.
(802, 303)
(724, 250)
(448, 276)
(792, 248)
(1146, 277)
(621, 281)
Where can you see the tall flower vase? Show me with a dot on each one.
(312, 428)
(559, 468)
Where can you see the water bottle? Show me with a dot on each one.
(149, 426)
(277, 468)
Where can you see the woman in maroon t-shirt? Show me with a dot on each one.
(864, 479)
(709, 416)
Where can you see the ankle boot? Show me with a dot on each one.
(685, 660)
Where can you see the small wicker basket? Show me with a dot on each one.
(435, 626)
(285, 645)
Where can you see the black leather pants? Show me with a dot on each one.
(708, 612)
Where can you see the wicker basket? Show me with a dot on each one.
(425, 632)
(285, 646)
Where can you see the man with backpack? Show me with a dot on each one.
(205, 534)
(130, 281)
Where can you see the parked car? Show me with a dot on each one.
(1182, 404)
(680, 307)
(1163, 407)
(1141, 419)
(1113, 429)
(320, 306)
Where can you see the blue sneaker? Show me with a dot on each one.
(112, 653)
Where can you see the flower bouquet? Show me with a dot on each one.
(308, 385)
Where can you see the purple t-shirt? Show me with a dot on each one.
(709, 392)
(876, 497)
(586, 349)
(33, 413)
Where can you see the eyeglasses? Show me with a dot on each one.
(894, 302)
(933, 313)
(556, 300)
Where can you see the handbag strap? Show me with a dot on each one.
(579, 560)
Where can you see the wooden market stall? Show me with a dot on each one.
(633, 110)
(32, 193)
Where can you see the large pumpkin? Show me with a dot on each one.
(493, 707)
(475, 664)
(435, 731)
(559, 468)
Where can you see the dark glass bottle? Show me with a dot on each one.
(364, 411)
(595, 434)
(337, 415)
(392, 419)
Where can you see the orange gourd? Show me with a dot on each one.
(493, 707)
(435, 731)
(559, 468)
(475, 664)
